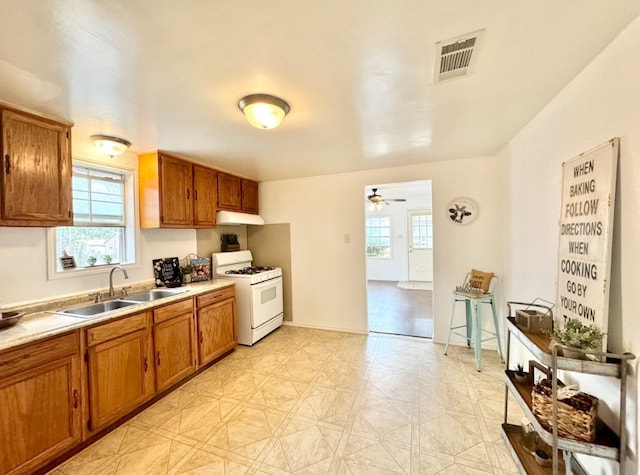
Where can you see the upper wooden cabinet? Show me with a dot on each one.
(250, 196)
(237, 194)
(205, 192)
(35, 180)
(40, 403)
(229, 187)
(175, 193)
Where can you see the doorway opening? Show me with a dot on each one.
(399, 258)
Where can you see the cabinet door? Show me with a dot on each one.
(250, 196)
(36, 171)
(40, 415)
(176, 192)
(205, 196)
(175, 349)
(216, 330)
(120, 372)
(229, 192)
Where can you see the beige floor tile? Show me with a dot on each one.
(377, 459)
(247, 432)
(383, 417)
(303, 445)
(332, 406)
(201, 462)
(319, 402)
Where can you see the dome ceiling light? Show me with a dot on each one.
(110, 145)
(263, 111)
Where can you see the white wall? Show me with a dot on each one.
(602, 102)
(23, 254)
(328, 273)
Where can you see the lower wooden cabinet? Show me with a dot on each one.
(174, 342)
(40, 414)
(47, 393)
(216, 324)
(120, 368)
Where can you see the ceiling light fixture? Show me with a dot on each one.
(110, 145)
(263, 111)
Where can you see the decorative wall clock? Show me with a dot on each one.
(462, 210)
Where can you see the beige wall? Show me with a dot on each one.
(600, 103)
(326, 216)
(271, 246)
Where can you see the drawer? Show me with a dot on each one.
(173, 310)
(109, 331)
(36, 354)
(215, 296)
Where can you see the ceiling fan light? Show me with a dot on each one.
(263, 111)
(110, 145)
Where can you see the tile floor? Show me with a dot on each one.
(316, 402)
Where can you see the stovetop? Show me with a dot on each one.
(238, 265)
(250, 270)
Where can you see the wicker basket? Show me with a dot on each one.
(576, 415)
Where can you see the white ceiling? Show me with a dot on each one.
(358, 74)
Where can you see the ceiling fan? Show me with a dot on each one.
(376, 201)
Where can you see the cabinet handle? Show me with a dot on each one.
(188, 193)
(75, 399)
(195, 195)
(7, 164)
(201, 337)
(158, 358)
(146, 364)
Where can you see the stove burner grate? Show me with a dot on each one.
(250, 270)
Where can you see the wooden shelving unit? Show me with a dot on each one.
(607, 443)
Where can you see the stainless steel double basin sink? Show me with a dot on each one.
(101, 308)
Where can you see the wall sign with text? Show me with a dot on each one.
(586, 228)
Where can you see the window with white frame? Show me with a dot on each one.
(378, 237)
(422, 230)
(103, 229)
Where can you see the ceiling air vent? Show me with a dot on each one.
(455, 57)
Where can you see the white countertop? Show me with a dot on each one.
(37, 326)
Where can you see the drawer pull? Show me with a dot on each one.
(7, 164)
(158, 358)
(75, 399)
(146, 364)
(201, 337)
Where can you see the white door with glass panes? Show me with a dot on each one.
(420, 246)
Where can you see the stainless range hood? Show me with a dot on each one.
(232, 217)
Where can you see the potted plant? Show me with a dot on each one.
(107, 258)
(92, 260)
(521, 376)
(579, 337)
(186, 270)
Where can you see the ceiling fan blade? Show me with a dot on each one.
(395, 199)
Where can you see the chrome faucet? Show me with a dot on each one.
(112, 292)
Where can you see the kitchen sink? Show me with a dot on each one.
(150, 295)
(97, 308)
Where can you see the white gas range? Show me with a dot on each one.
(259, 303)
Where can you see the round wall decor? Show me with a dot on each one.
(462, 210)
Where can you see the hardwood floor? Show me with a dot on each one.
(399, 311)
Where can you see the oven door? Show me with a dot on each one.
(266, 301)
